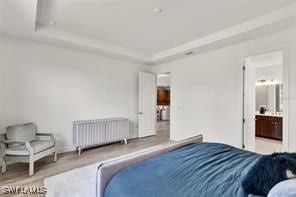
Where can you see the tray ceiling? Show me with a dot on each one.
(129, 29)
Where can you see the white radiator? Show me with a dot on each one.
(88, 133)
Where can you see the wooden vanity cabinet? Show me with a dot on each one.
(269, 127)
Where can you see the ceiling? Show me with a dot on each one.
(133, 25)
(129, 29)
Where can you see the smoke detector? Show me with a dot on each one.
(157, 10)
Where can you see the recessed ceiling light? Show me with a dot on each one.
(51, 22)
(189, 53)
(157, 10)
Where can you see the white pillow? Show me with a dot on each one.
(284, 189)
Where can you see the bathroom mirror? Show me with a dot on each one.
(270, 96)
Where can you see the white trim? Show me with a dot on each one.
(65, 149)
(92, 44)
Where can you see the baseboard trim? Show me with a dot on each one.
(65, 149)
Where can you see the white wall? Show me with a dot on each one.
(205, 95)
(54, 86)
(1, 14)
(270, 72)
(206, 90)
(163, 81)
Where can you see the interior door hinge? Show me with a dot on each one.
(244, 120)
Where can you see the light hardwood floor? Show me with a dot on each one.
(17, 174)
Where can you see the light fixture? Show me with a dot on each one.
(51, 22)
(264, 82)
(189, 53)
(157, 10)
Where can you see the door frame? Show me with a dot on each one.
(286, 132)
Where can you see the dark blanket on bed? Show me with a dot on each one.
(194, 170)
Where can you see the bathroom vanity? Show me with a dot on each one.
(269, 126)
(269, 121)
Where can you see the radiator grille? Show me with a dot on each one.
(95, 132)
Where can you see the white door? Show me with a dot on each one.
(147, 104)
(249, 106)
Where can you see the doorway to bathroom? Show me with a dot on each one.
(264, 121)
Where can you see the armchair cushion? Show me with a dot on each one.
(22, 132)
(38, 146)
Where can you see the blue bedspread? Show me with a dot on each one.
(194, 170)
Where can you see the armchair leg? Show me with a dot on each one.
(125, 141)
(31, 168)
(55, 156)
(3, 167)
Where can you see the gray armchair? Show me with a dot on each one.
(22, 143)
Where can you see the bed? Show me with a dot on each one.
(109, 168)
(189, 168)
(192, 168)
(206, 169)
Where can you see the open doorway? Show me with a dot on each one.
(163, 105)
(264, 90)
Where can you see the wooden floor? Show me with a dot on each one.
(17, 174)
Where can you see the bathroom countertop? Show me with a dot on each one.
(269, 114)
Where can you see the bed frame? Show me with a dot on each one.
(107, 169)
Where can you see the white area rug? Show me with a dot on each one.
(75, 183)
(79, 182)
